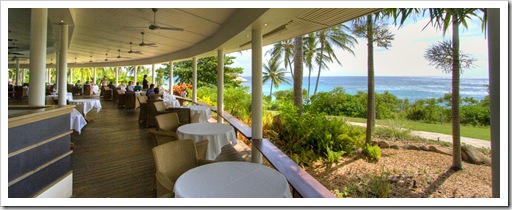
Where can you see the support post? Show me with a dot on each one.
(38, 32)
(63, 63)
(117, 76)
(134, 73)
(194, 79)
(257, 97)
(493, 42)
(220, 85)
(94, 77)
(153, 79)
(171, 82)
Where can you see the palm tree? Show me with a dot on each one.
(274, 73)
(284, 49)
(310, 52)
(373, 32)
(329, 37)
(442, 18)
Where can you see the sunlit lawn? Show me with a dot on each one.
(446, 128)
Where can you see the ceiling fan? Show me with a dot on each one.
(154, 26)
(146, 44)
(106, 58)
(131, 51)
(119, 54)
(90, 61)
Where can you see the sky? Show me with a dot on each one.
(404, 57)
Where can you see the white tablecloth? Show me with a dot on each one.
(89, 104)
(232, 180)
(95, 89)
(69, 96)
(217, 135)
(204, 112)
(77, 121)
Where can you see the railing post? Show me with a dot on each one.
(220, 85)
(194, 79)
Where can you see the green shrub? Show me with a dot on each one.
(393, 129)
(372, 152)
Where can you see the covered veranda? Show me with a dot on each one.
(89, 35)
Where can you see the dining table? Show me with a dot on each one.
(88, 104)
(217, 134)
(232, 180)
(77, 121)
(204, 112)
(170, 101)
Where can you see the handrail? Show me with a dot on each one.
(301, 181)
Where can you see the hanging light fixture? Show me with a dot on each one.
(75, 60)
(91, 59)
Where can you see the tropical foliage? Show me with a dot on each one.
(206, 72)
(274, 73)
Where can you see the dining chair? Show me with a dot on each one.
(160, 137)
(168, 122)
(175, 158)
(143, 107)
(121, 99)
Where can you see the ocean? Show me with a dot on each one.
(413, 88)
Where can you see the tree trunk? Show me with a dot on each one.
(298, 72)
(457, 159)
(309, 80)
(271, 84)
(370, 121)
(320, 65)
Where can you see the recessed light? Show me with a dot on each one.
(265, 24)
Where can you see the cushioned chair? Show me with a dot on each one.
(168, 122)
(143, 105)
(87, 90)
(115, 94)
(107, 93)
(121, 99)
(183, 114)
(161, 136)
(154, 108)
(175, 158)
(130, 101)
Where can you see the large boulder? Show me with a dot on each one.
(383, 144)
(441, 150)
(424, 148)
(471, 155)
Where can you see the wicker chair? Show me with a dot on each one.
(175, 158)
(143, 113)
(130, 101)
(160, 137)
(121, 99)
(107, 93)
(168, 121)
(184, 114)
(87, 90)
(154, 108)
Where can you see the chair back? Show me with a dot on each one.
(156, 96)
(142, 99)
(87, 90)
(184, 114)
(175, 158)
(159, 106)
(168, 122)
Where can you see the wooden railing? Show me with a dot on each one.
(304, 185)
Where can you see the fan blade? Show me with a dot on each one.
(170, 28)
(147, 44)
(15, 53)
(13, 47)
(136, 52)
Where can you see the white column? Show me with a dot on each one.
(23, 75)
(63, 64)
(153, 79)
(171, 82)
(220, 85)
(48, 70)
(117, 76)
(493, 42)
(134, 72)
(194, 79)
(257, 110)
(70, 75)
(57, 66)
(38, 28)
(17, 72)
(94, 75)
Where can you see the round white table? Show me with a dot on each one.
(77, 121)
(89, 104)
(217, 134)
(204, 112)
(232, 180)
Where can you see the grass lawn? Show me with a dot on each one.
(465, 131)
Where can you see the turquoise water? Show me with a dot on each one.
(413, 88)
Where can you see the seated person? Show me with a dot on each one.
(111, 86)
(151, 90)
(137, 87)
(95, 88)
(122, 86)
(157, 91)
(78, 83)
(130, 86)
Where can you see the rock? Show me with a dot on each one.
(373, 143)
(441, 150)
(383, 144)
(471, 155)
(410, 147)
(358, 150)
(424, 148)
(394, 146)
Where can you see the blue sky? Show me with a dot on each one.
(405, 57)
